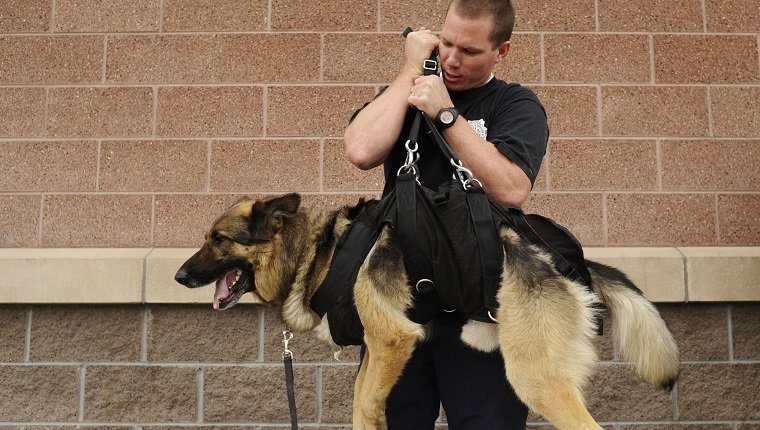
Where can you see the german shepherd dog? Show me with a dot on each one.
(281, 252)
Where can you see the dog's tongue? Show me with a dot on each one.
(223, 287)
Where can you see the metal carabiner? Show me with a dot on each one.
(287, 335)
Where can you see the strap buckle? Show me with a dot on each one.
(431, 65)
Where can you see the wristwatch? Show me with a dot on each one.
(446, 117)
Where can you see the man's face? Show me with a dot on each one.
(468, 57)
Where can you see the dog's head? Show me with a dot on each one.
(241, 241)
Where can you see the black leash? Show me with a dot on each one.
(287, 358)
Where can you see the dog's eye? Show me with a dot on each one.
(218, 239)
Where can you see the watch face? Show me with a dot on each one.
(447, 117)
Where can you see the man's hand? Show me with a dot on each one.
(419, 46)
(429, 94)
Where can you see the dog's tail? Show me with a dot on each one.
(641, 335)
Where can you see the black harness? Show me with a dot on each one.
(450, 241)
(449, 237)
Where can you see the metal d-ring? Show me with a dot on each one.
(492, 317)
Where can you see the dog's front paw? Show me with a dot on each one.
(481, 336)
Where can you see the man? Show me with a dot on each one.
(499, 132)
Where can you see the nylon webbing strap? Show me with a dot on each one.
(288, 360)
(417, 266)
(489, 247)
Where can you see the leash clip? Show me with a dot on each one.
(287, 335)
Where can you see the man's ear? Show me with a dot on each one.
(503, 50)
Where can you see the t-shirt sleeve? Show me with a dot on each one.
(520, 131)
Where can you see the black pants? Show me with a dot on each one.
(471, 386)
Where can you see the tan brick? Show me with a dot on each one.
(245, 394)
(86, 333)
(200, 333)
(342, 15)
(616, 393)
(96, 112)
(618, 165)
(523, 62)
(357, 57)
(51, 60)
(737, 215)
(719, 392)
(22, 112)
(48, 166)
(654, 111)
(144, 394)
(657, 271)
(396, 15)
(735, 111)
(745, 319)
(12, 333)
(313, 111)
(96, 220)
(677, 426)
(564, 15)
(100, 16)
(596, 58)
(215, 15)
(258, 166)
(685, 166)
(24, 16)
(340, 175)
(651, 15)
(338, 393)
(331, 201)
(20, 220)
(257, 58)
(209, 58)
(184, 219)
(306, 347)
(160, 58)
(39, 393)
(580, 213)
(78, 275)
(701, 330)
(571, 111)
(153, 166)
(661, 219)
(706, 59)
(210, 111)
(732, 16)
(708, 268)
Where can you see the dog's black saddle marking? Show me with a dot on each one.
(449, 236)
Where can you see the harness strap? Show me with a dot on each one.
(489, 246)
(418, 268)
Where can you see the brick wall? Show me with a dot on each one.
(133, 123)
(186, 366)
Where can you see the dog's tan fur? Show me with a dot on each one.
(546, 322)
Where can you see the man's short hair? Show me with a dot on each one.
(501, 11)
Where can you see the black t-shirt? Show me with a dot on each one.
(507, 115)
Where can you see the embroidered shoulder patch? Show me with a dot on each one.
(479, 126)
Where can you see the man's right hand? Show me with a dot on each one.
(419, 46)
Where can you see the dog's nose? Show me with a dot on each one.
(182, 277)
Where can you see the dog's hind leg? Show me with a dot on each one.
(546, 323)
(382, 295)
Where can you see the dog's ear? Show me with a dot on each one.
(274, 211)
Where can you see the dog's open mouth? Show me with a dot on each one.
(231, 287)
